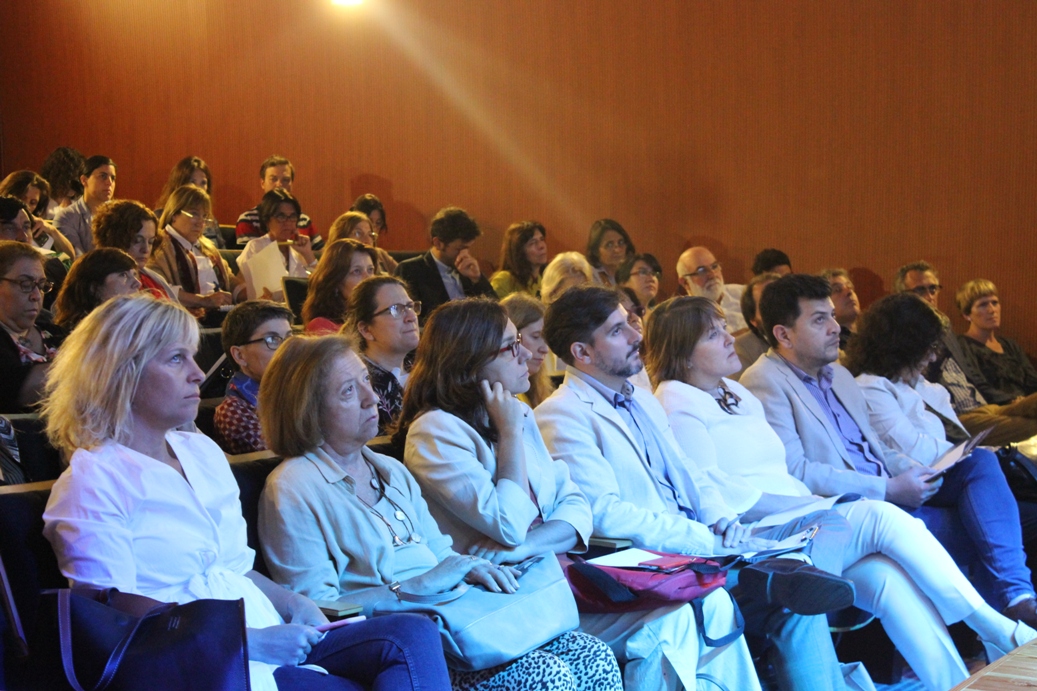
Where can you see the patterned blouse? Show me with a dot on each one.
(236, 419)
(389, 391)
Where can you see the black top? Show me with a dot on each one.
(1008, 375)
(425, 284)
(13, 371)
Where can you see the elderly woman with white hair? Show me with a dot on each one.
(155, 512)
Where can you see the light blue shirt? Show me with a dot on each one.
(451, 280)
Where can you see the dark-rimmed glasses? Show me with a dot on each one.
(397, 310)
(703, 271)
(27, 284)
(272, 341)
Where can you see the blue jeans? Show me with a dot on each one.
(393, 653)
(976, 518)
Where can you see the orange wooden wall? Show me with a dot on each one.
(862, 134)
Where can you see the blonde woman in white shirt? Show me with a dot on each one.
(901, 573)
(152, 511)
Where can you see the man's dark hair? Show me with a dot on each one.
(452, 223)
(779, 303)
(274, 161)
(574, 317)
(95, 162)
(748, 301)
(244, 319)
(895, 333)
(770, 259)
(10, 206)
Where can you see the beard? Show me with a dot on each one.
(713, 291)
(625, 368)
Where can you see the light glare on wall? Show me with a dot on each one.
(347, 3)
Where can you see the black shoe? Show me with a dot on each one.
(796, 586)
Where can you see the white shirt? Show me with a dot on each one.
(731, 303)
(296, 263)
(117, 518)
(207, 281)
(741, 452)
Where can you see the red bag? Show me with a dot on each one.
(601, 589)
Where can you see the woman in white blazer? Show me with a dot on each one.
(902, 573)
(490, 482)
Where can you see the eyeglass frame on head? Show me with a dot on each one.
(396, 309)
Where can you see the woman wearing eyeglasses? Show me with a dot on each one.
(608, 246)
(641, 273)
(279, 214)
(252, 333)
(383, 321)
(27, 344)
(342, 266)
(355, 225)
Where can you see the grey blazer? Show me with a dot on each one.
(814, 450)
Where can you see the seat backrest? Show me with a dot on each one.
(231, 257)
(40, 461)
(230, 238)
(295, 289)
(250, 470)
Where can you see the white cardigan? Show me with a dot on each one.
(457, 471)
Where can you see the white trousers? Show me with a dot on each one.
(662, 649)
(905, 577)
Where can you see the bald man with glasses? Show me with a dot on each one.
(700, 274)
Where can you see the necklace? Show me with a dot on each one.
(399, 514)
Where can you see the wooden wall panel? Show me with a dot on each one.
(857, 134)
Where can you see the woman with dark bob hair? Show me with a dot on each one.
(342, 265)
(130, 226)
(901, 573)
(608, 246)
(339, 521)
(641, 273)
(156, 512)
(523, 257)
(279, 214)
(95, 277)
(371, 206)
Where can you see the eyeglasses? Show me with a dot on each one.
(196, 215)
(360, 234)
(922, 291)
(636, 310)
(272, 341)
(646, 273)
(283, 218)
(397, 310)
(620, 244)
(515, 347)
(27, 284)
(702, 271)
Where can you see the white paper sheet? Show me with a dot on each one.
(264, 269)
(792, 514)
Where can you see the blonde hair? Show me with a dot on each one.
(182, 198)
(293, 389)
(524, 310)
(972, 291)
(88, 396)
(561, 274)
(343, 226)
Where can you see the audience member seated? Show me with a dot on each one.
(342, 266)
(383, 322)
(771, 261)
(527, 314)
(448, 271)
(95, 277)
(16, 225)
(1008, 374)
(192, 171)
(34, 192)
(847, 306)
(62, 169)
(821, 415)
(131, 227)
(523, 257)
(278, 213)
(355, 225)
(164, 506)
(566, 270)
(699, 273)
(751, 345)
(251, 333)
(275, 173)
(28, 342)
(11, 471)
(901, 573)
(1009, 423)
(200, 277)
(338, 521)
(608, 246)
(98, 181)
(641, 273)
(371, 206)
(624, 458)
(635, 315)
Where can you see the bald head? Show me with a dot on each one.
(700, 273)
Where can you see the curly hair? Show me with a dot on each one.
(324, 295)
(117, 223)
(894, 334)
(457, 341)
(62, 169)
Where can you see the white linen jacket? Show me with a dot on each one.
(457, 471)
(583, 429)
(814, 450)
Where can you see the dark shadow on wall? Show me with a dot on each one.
(408, 227)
